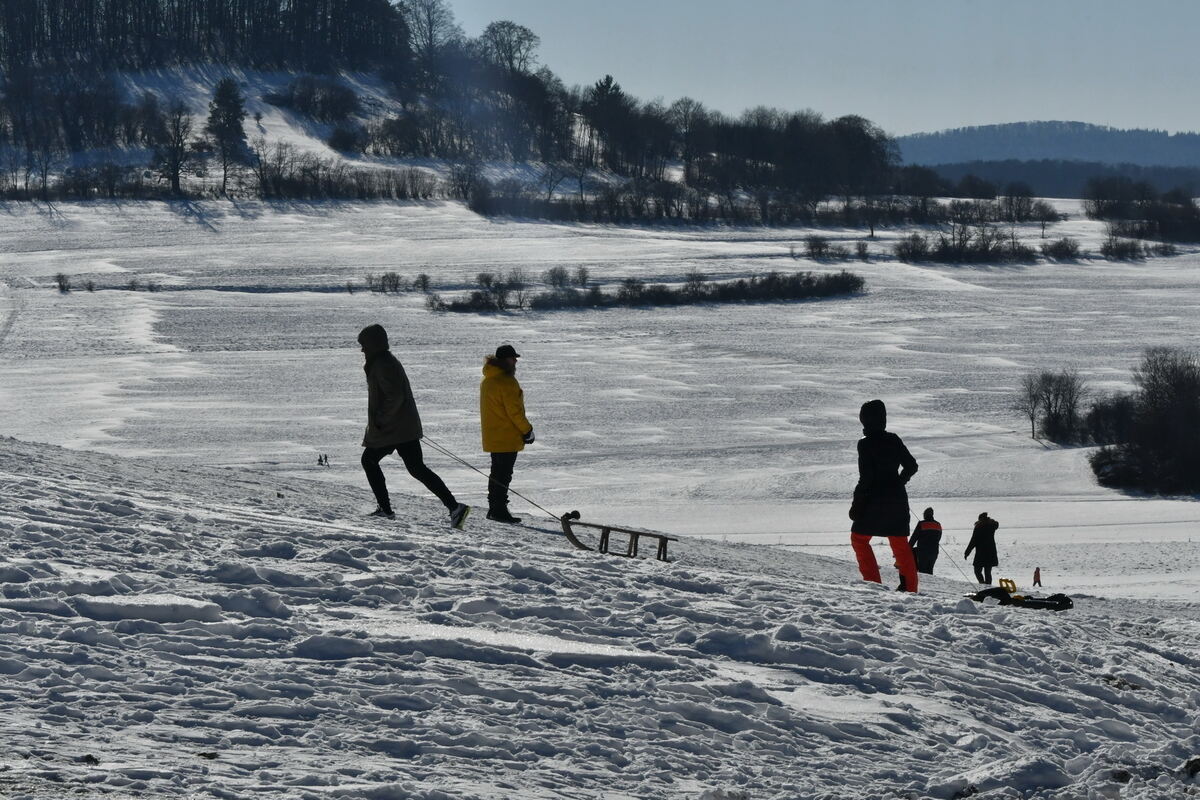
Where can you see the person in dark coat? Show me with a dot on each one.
(393, 425)
(983, 542)
(925, 541)
(880, 506)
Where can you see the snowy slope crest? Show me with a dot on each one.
(198, 633)
(194, 85)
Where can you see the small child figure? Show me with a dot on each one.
(1037, 576)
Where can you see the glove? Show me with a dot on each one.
(528, 438)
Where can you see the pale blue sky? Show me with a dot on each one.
(908, 65)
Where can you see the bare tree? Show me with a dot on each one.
(1029, 400)
(175, 152)
(1017, 202)
(44, 159)
(1044, 213)
(431, 26)
(687, 116)
(1062, 393)
(509, 46)
(552, 175)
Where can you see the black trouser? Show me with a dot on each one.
(925, 561)
(498, 481)
(414, 462)
(983, 574)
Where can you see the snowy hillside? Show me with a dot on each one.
(196, 632)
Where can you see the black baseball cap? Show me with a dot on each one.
(507, 351)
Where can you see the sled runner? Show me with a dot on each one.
(570, 521)
(1055, 602)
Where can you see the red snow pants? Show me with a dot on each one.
(869, 567)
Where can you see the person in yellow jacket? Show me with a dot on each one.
(505, 429)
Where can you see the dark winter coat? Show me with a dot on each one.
(392, 416)
(983, 542)
(925, 541)
(880, 505)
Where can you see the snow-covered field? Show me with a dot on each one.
(154, 615)
(201, 632)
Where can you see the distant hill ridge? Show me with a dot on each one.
(1070, 141)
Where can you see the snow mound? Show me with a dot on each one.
(155, 607)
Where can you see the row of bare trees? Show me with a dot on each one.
(147, 33)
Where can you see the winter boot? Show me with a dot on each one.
(458, 517)
(502, 515)
(386, 513)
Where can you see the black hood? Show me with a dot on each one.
(873, 416)
(374, 339)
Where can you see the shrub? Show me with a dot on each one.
(1064, 249)
(391, 282)
(630, 291)
(633, 292)
(348, 139)
(90, 285)
(912, 248)
(1016, 251)
(582, 276)
(421, 283)
(1116, 249)
(1110, 419)
(63, 282)
(558, 277)
(860, 250)
(816, 247)
(321, 98)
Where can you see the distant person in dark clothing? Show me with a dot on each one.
(926, 540)
(880, 506)
(1037, 576)
(983, 542)
(393, 425)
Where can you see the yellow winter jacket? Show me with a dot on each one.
(501, 411)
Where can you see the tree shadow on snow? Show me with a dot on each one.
(193, 212)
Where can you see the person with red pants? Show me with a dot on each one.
(880, 506)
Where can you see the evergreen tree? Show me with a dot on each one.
(226, 114)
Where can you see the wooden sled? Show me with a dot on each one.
(570, 521)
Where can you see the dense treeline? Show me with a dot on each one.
(1062, 178)
(1139, 211)
(462, 99)
(135, 34)
(608, 156)
(1056, 141)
